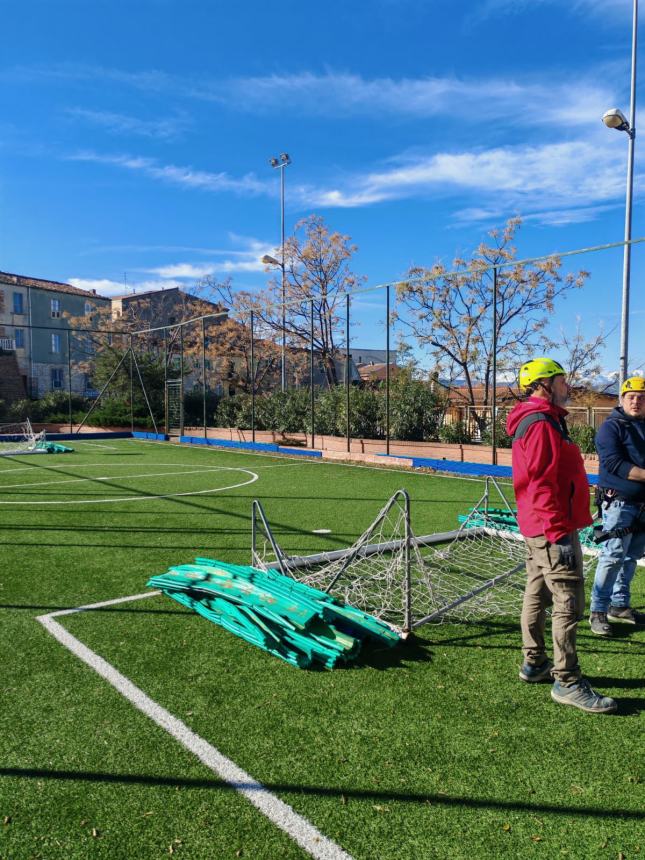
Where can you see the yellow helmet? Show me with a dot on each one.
(539, 368)
(634, 383)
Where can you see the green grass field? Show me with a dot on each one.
(433, 750)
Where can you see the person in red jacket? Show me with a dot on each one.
(552, 495)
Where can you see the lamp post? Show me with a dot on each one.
(280, 163)
(615, 118)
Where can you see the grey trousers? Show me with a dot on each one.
(550, 583)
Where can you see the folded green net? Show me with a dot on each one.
(293, 621)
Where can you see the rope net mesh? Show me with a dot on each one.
(469, 574)
(19, 438)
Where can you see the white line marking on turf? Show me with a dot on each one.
(277, 811)
(87, 444)
(141, 498)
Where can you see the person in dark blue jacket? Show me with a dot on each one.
(620, 443)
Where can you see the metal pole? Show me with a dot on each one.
(347, 405)
(69, 381)
(131, 390)
(283, 372)
(624, 330)
(181, 379)
(387, 370)
(311, 378)
(494, 397)
(252, 379)
(165, 378)
(204, 374)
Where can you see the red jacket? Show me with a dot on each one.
(551, 487)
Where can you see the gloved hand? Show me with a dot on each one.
(566, 552)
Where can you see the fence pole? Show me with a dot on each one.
(387, 370)
(311, 377)
(69, 380)
(252, 378)
(349, 443)
(494, 400)
(131, 390)
(204, 373)
(165, 378)
(181, 378)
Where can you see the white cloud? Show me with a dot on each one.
(108, 288)
(164, 129)
(617, 8)
(186, 177)
(513, 101)
(549, 177)
(190, 270)
(560, 180)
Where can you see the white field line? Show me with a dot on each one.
(114, 477)
(84, 443)
(279, 813)
(141, 498)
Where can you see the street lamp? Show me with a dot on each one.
(280, 163)
(615, 118)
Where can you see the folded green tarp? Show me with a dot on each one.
(291, 620)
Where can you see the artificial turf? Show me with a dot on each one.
(435, 749)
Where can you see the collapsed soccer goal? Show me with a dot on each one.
(474, 572)
(20, 438)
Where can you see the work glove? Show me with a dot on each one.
(566, 552)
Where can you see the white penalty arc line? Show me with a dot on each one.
(277, 811)
(147, 497)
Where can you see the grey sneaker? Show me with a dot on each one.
(534, 674)
(625, 615)
(599, 624)
(580, 695)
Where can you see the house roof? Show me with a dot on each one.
(134, 297)
(376, 371)
(41, 284)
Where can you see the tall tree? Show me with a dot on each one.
(316, 268)
(450, 312)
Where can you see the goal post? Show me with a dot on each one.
(470, 573)
(19, 437)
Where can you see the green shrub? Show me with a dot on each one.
(454, 434)
(583, 435)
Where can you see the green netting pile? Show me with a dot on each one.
(505, 520)
(54, 447)
(293, 621)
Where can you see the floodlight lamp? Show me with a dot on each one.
(269, 261)
(284, 158)
(274, 162)
(615, 118)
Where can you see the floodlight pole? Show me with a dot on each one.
(280, 164)
(131, 390)
(614, 118)
(624, 330)
(204, 374)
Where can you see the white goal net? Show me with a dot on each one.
(20, 438)
(469, 573)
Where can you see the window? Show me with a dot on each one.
(55, 306)
(19, 337)
(88, 308)
(57, 377)
(18, 307)
(55, 343)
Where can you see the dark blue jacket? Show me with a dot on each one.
(620, 443)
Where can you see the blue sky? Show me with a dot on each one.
(135, 137)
